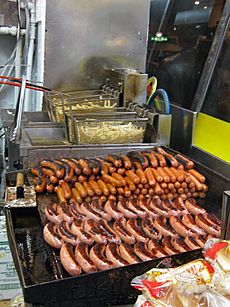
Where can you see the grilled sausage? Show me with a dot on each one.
(158, 208)
(142, 251)
(88, 210)
(108, 232)
(211, 218)
(65, 233)
(127, 253)
(181, 228)
(191, 242)
(163, 228)
(112, 254)
(85, 167)
(132, 205)
(180, 245)
(185, 161)
(126, 161)
(188, 220)
(60, 194)
(149, 229)
(138, 233)
(193, 208)
(119, 227)
(82, 257)
(128, 213)
(168, 247)
(208, 227)
(52, 214)
(51, 237)
(144, 205)
(83, 236)
(156, 249)
(40, 184)
(59, 169)
(92, 228)
(68, 260)
(65, 213)
(96, 254)
(201, 240)
(111, 209)
(151, 157)
(99, 209)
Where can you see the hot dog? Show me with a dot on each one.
(40, 184)
(51, 174)
(178, 174)
(49, 185)
(163, 228)
(92, 228)
(138, 157)
(111, 209)
(208, 227)
(89, 189)
(152, 158)
(180, 245)
(193, 208)
(59, 169)
(127, 253)
(128, 213)
(76, 195)
(83, 236)
(126, 161)
(188, 220)
(85, 167)
(157, 176)
(150, 176)
(96, 254)
(111, 180)
(168, 247)
(51, 237)
(198, 184)
(115, 159)
(82, 191)
(66, 189)
(103, 187)
(130, 184)
(119, 178)
(60, 194)
(197, 175)
(149, 229)
(95, 187)
(119, 227)
(82, 257)
(142, 251)
(163, 174)
(112, 254)
(52, 214)
(180, 228)
(138, 233)
(142, 176)
(133, 177)
(75, 166)
(185, 161)
(68, 260)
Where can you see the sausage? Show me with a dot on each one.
(108, 232)
(149, 229)
(68, 260)
(75, 166)
(120, 228)
(157, 176)
(76, 195)
(95, 166)
(69, 172)
(85, 167)
(168, 247)
(119, 178)
(127, 253)
(49, 173)
(177, 185)
(92, 228)
(37, 171)
(126, 161)
(197, 175)
(142, 252)
(65, 213)
(111, 209)
(49, 185)
(111, 180)
(163, 174)
(144, 191)
(82, 257)
(115, 160)
(52, 214)
(51, 237)
(180, 205)
(180, 228)
(112, 254)
(180, 245)
(178, 174)
(138, 233)
(130, 184)
(202, 195)
(65, 233)
(150, 176)
(152, 158)
(201, 240)
(168, 205)
(170, 174)
(66, 189)
(185, 161)
(158, 208)
(132, 205)
(198, 184)
(95, 187)
(208, 227)
(87, 209)
(112, 197)
(156, 249)
(127, 192)
(122, 207)
(83, 236)
(99, 209)
(158, 190)
(139, 158)
(40, 184)
(163, 228)
(81, 178)
(205, 188)
(132, 176)
(96, 254)
(88, 188)
(161, 159)
(169, 157)
(190, 241)
(143, 204)
(60, 194)
(193, 208)
(188, 220)
(82, 191)
(59, 169)
(211, 218)
(121, 171)
(142, 176)
(103, 187)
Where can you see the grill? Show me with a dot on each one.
(43, 280)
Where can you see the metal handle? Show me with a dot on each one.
(225, 216)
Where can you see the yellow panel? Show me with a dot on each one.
(213, 136)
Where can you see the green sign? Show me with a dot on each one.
(159, 39)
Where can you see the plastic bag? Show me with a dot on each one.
(202, 282)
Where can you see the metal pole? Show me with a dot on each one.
(212, 59)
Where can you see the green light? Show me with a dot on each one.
(159, 39)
